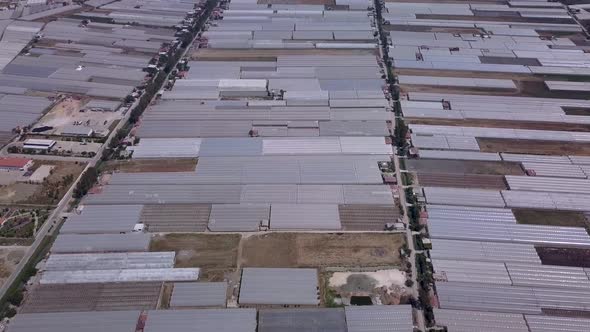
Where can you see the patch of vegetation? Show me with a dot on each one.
(86, 182)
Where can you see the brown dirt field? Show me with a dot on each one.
(166, 295)
(17, 192)
(501, 124)
(208, 54)
(533, 147)
(206, 251)
(566, 313)
(9, 258)
(462, 180)
(159, 165)
(469, 74)
(322, 250)
(550, 218)
(564, 256)
(457, 89)
(488, 18)
(464, 167)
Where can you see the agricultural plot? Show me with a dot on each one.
(322, 250)
(206, 251)
(93, 297)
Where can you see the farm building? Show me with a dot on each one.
(39, 144)
(15, 164)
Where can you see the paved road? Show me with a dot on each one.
(55, 217)
(418, 314)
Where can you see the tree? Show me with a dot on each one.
(86, 182)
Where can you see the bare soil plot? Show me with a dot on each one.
(502, 124)
(554, 148)
(365, 217)
(457, 90)
(322, 250)
(176, 217)
(17, 192)
(564, 256)
(9, 258)
(151, 165)
(550, 217)
(566, 313)
(464, 167)
(206, 251)
(462, 180)
(93, 297)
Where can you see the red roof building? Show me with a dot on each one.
(15, 164)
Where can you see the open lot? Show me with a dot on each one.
(550, 218)
(67, 112)
(155, 165)
(534, 147)
(464, 167)
(17, 192)
(321, 250)
(206, 251)
(9, 258)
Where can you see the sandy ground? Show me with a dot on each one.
(77, 147)
(383, 278)
(9, 177)
(17, 192)
(382, 286)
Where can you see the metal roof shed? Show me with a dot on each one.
(103, 219)
(279, 286)
(90, 321)
(107, 261)
(307, 319)
(129, 275)
(203, 320)
(467, 321)
(385, 318)
(78, 243)
(199, 294)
